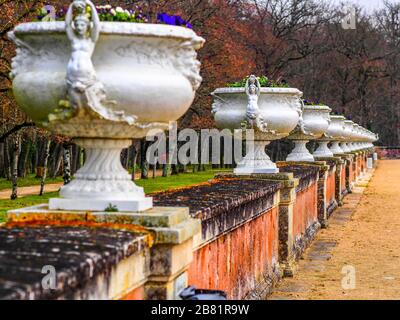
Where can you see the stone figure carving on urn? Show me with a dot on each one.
(86, 94)
(301, 127)
(253, 114)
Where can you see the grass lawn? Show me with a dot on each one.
(149, 185)
(30, 180)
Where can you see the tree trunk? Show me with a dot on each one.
(56, 163)
(46, 159)
(23, 157)
(7, 170)
(67, 163)
(134, 159)
(174, 169)
(2, 161)
(144, 165)
(16, 151)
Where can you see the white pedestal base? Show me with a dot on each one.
(102, 182)
(300, 152)
(256, 160)
(323, 150)
(245, 171)
(100, 205)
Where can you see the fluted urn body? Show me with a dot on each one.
(279, 110)
(104, 90)
(313, 125)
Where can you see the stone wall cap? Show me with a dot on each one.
(218, 196)
(78, 255)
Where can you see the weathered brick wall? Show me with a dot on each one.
(305, 213)
(353, 171)
(135, 294)
(238, 249)
(304, 222)
(330, 188)
(241, 262)
(343, 180)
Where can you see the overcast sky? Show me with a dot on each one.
(369, 5)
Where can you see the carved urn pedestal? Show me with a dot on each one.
(256, 159)
(102, 183)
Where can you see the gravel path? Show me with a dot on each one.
(31, 190)
(358, 256)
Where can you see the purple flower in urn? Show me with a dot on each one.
(165, 18)
(173, 20)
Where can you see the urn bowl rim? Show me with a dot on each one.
(337, 117)
(240, 90)
(114, 28)
(317, 108)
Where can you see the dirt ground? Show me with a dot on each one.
(31, 190)
(358, 256)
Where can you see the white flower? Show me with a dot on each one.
(119, 9)
(127, 12)
(107, 6)
(113, 12)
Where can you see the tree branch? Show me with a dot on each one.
(4, 136)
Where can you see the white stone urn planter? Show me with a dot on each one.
(370, 138)
(335, 131)
(275, 114)
(353, 138)
(333, 134)
(313, 124)
(364, 139)
(359, 137)
(104, 84)
(348, 136)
